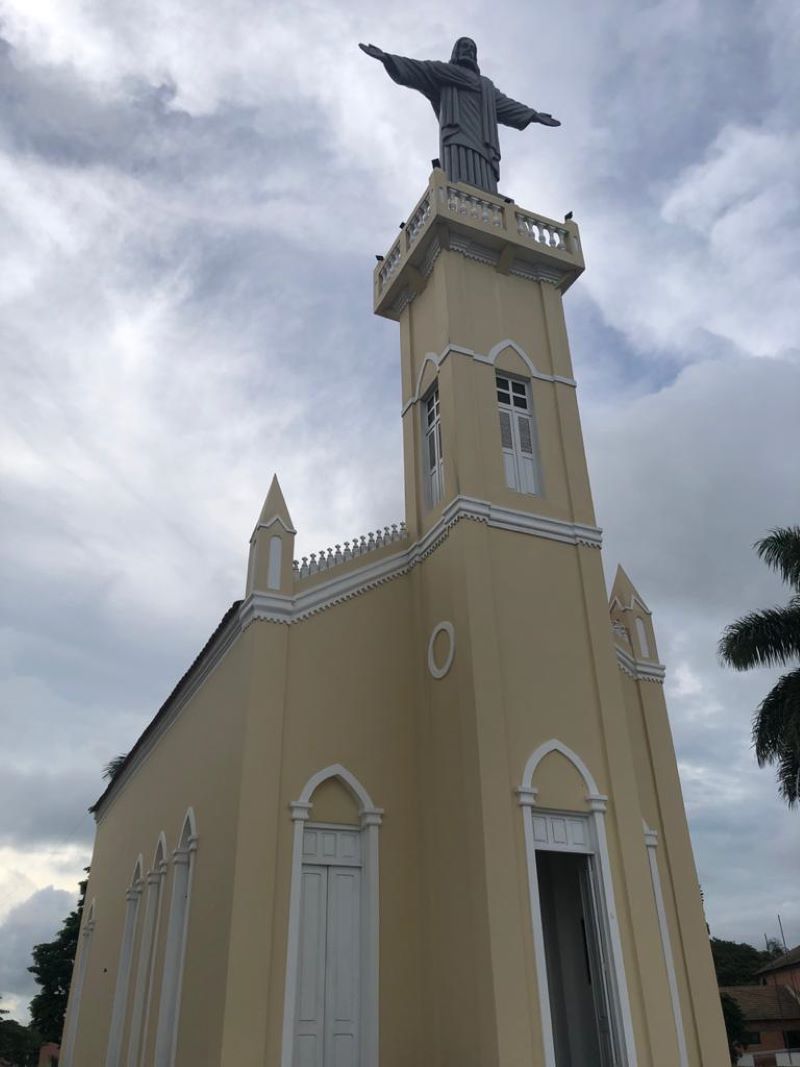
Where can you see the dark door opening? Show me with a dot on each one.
(575, 973)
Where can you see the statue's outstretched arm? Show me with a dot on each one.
(424, 75)
(372, 50)
(513, 113)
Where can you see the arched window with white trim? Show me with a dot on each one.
(76, 991)
(517, 432)
(140, 1010)
(432, 446)
(132, 898)
(583, 994)
(331, 996)
(175, 946)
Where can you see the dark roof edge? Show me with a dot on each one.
(788, 959)
(177, 692)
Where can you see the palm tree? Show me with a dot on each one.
(771, 638)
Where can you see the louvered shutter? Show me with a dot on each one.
(507, 442)
(526, 462)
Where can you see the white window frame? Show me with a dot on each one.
(175, 947)
(370, 820)
(619, 1002)
(518, 439)
(76, 990)
(119, 1009)
(432, 452)
(651, 842)
(143, 988)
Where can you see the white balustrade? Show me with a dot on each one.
(471, 206)
(359, 546)
(416, 223)
(475, 207)
(390, 264)
(544, 233)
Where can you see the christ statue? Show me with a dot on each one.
(468, 108)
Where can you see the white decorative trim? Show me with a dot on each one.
(370, 818)
(76, 991)
(344, 587)
(433, 667)
(277, 608)
(120, 1003)
(597, 803)
(538, 272)
(491, 357)
(143, 989)
(267, 525)
(402, 301)
(175, 949)
(431, 255)
(639, 669)
(636, 602)
(651, 841)
(473, 250)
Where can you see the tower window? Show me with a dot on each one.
(434, 474)
(517, 433)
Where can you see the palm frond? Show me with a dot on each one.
(114, 766)
(766, 638)
(780, 549)
(776, 723)
(789, 776)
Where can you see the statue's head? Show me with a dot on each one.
(465, 53)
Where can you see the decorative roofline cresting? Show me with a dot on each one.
(328, 558)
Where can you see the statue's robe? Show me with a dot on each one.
(468, 108)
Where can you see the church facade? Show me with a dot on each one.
(416, 801)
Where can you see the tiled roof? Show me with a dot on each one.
(788, 959)
(175, 693)
(765, 1001)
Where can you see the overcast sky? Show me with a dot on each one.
(191, 195)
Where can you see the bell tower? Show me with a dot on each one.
(527, 742)
(489, 409)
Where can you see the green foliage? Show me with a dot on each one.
(19, 1045)
(736, 962)
(52, 969)
(735, 1025)
(771, 638)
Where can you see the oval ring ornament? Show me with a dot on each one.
(442, 628)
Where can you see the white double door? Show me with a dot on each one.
(327, 1024)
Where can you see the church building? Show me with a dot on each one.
(416, 802)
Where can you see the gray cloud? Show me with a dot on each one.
(36, 919)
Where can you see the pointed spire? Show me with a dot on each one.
(631, 618)
(275, 508)
(272, 547)
(626, 592)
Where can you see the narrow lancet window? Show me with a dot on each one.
(175, 947)
(517, 433)
(433, 447)
(132, 899)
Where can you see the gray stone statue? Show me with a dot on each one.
(468, 108)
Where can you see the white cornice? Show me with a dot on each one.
(272, 607)
(491, 358)
(641, 670)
